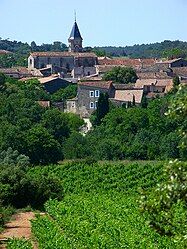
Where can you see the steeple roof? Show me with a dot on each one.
(75, 33)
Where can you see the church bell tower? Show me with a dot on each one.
(75, 39)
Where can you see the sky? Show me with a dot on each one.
(101, 22)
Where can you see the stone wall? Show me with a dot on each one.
(83, 71)
(84, 99)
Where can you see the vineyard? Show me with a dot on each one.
(99, 209)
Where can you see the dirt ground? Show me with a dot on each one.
(18, 227)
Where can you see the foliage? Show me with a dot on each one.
(74, 122)
(99, 209)
(138, 133)
(2, 81)
(33, 89)
(48, 234)
(176, 83)
(63, 94)
(11, 157)
(30, 129)
(19, 244)
(166, 205)
(19, 189)
(5, 215)
(76, 146)
(174, 53)
(102, 109)
(20, 51)
(56, 123)
(123, 75)
(41, 147)
(153, 50)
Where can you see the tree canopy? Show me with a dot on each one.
(123, 75)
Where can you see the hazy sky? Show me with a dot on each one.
(101, 22)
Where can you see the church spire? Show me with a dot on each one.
(75, 39)
(75, 15)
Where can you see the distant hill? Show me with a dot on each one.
(166, 49)
(153, 50)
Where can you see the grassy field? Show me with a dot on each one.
(100, 207)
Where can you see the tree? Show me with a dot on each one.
(2, 81)
(56, 124)
(102, 109)
(41, 147)
(166, 204)
(33, 46)
(76, 146)
(176, 83)
(123, 75)
(65, 93)
(174, 53)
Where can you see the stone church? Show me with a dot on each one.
(74, 62)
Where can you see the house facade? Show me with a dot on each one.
(88, 94)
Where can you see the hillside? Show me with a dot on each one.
(153, 50)
(100, 207)
(170, 49)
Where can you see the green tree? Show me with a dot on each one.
(76, 146)
(2, 81)
(66, 93)
(123, 75)
(176, 83)
(102, 109)
(56, 124)
(166, 204)
(41, 147)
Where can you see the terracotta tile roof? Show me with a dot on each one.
(20, 70)
(62, 54)
(27, 78)
(152, 75)
(135, 63)
(154, 95)
(156, 82)
(127, 95)
(44, 103)
(97, 84)
(124, 86)
(164, 82)
(169, 61)
(104, 68)
(181, 71)
(145, 82)
(47, 79)
(4, 52)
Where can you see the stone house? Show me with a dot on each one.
(157, 86)
(179, 62)
(53, 84)
(87, 97)
(16, 72)
(127, 93)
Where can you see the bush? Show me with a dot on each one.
(76, 147)
(11, 157)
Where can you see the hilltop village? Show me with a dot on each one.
(93, 148)
(56, 70)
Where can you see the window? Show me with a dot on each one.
(91, 93)
(96, 104)
(91, 105)
(97, 93)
